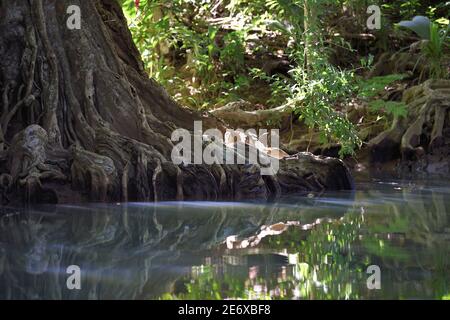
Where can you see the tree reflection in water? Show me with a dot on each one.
(303, 248)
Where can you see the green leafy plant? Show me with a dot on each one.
(198, 64)
(315, 86)
(372, 87)
(435, 39)
(369, 89)
(208, 53)
(313, 98)
(433, 50)
(394, 108)
(280, 86)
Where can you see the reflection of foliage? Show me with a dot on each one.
(384, 249)
(135, 250)
(322, 267)
(329, 260)
(327, 264)
(412, 232)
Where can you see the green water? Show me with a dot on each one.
(297, 248)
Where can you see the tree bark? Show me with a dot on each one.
(81, 121)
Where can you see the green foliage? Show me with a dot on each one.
(372, 87)
(233, 52)
(316, 85)
(313, 97)
(213, 56)
(433, 50)
(409, 9)
(396, 109)
(194, 60)
(208, 53)
(367, 62)
(436, 40)
(280, 86)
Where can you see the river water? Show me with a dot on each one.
(333, 246)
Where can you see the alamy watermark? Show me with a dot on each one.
(232, 147)
(374, 280)
(374, 20)
(73, 282)
(74, 20)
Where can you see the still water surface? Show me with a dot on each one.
(297, 248)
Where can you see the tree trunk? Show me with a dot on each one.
(81, 121)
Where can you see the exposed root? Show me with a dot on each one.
(437, 138)
(51, 89)
(235, 114)
(424, 133)
(94, 174)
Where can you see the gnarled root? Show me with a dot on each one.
(123, 169)
(94, 174)
(428, 106)
(386, 145)
(425, 133)
(30, 165)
